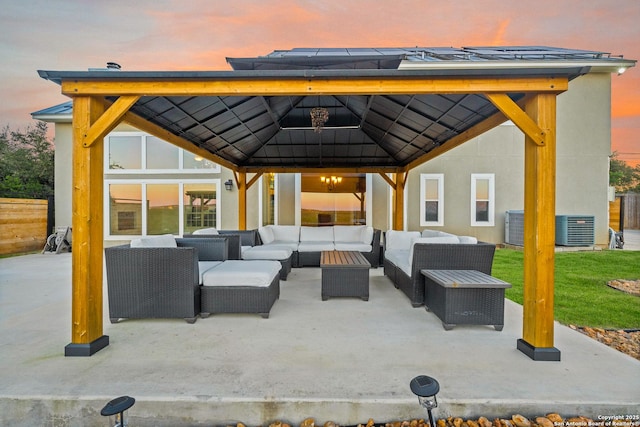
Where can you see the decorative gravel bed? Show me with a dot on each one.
(548, 420)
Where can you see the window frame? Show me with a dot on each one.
(217, 182)
(143, 159)
(439, 177)
(491, 202)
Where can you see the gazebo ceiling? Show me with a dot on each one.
(276, 131)
(362, 130)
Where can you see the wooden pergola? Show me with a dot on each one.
(102, 100)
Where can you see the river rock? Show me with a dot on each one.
(520, 421)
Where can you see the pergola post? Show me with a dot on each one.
(87, 223)
(241, 181)
(539, 233)
(398, 211)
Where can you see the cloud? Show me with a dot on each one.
(200, 34)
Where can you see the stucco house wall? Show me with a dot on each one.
(582, 173)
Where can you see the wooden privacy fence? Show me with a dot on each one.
(632, 211)
(23, 225)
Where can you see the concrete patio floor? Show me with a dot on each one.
(344, 360)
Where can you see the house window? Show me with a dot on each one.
(482, 200)
(138, 152)
(161, 155)
(337, 201)
(125, 209)
(170, 207)
(163, 209)
(125, 152)
(268, 198)
(200, 202)
(431, 199)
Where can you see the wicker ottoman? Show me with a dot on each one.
(344, 274)
(237, 286)
(465, 297)
(272, 253)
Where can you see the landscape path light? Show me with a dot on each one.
(117, 407)
(426, 389)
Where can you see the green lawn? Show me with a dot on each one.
(582, 296)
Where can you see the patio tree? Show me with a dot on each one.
(26, 163)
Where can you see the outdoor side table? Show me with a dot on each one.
(344, 274)
(465, 297)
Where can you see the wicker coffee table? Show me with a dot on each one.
(465, 297)
(344, 274)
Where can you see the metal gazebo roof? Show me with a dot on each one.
(374, 130)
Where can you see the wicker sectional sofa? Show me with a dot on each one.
(244, 245)
(307, 243)
(408, 252)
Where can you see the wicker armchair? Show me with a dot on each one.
(233, 239)
(439, 256)
(158, 282)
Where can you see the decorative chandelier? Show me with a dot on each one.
(331, 181)
(319, 116)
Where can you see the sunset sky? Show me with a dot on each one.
(199, 34)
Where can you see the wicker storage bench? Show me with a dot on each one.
(465, 297)
(240, 287)
(344, 274)
(438, 256)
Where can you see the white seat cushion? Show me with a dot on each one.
(399, 239)
(293, 246)
(348, 233)
(242, 273)
(316, 234)
(316, 246)
(206, 231)
(204, 266)
(435, 233)
(353, 246)
(266, 234)
(397, 256)
(468, 240)
(286, 233)
(162, 241)
(267, 252)
(367, 235)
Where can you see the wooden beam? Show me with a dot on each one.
(289, 86)
(539, 232)
(241, 180)
(398, 211)
(155, 130)
(386, 178)
(513, 112)
(254, 179)
(326, 171)
(109, 119)
(87, 225)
